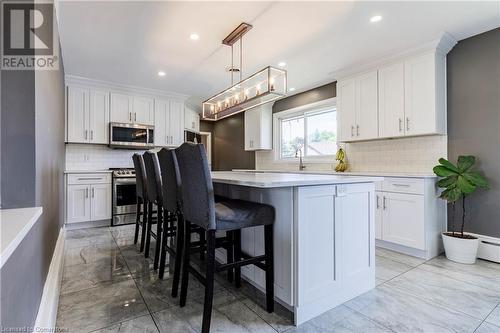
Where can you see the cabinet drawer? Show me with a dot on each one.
(89, 178)
(403, 185)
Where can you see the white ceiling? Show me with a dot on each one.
(129, 42)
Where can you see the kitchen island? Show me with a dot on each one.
(324, 236)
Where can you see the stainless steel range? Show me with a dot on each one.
(124, 196)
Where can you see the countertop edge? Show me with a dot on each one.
(347, 174)
(86, 171)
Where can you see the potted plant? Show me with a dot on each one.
(459, 181)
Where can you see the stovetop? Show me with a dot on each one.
(123, 172)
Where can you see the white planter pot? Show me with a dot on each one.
(461, 250)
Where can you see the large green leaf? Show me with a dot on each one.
(448, 164)
(476, 178)
(465, 186)
(443, 171)
(465, 162)
(447, 182)
(451, 195)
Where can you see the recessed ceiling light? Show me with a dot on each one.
(291, 89)
(161, 73)
(376, 18)
(194, 36)
(282, 64)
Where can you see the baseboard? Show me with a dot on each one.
(489, 248)
(47, 311)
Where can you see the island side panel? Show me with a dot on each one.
(334, 246)
(252, 239)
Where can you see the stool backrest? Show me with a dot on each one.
(153, 177)
(171, 180)
(197, 188)
(140, 176)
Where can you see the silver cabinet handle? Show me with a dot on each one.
(357, 130)
(171, 139)
(383, 204)
(378, 205)
(92, 192)
(91, 134)
(407, 123)
(352, 130)
(400, 124)
(135, 116)
(130, 116)
(401, 185)
(86, 134)
(90, 178)
(87, 192)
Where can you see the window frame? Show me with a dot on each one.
(304, 110)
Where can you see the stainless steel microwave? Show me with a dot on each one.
(131, 136)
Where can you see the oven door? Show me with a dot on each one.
(124, 196)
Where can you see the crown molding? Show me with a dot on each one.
(123, 88)
(441, 46)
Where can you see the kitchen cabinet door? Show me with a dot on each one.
(420, 95)
(98, 116)
(161, 120)
(367, 106)
(252, 129)
(403, 219)
(192, 120)
(346, 109)
(176, 124)
(121, 108)
(143, 111)
(78, 203)
(77, 115)
(391, 101)
(100, 198)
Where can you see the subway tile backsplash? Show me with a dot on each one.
(97, 157)
(414, 154)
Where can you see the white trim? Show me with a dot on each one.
(123, 88)
(209, 145)
(47, 311)
(319, 106)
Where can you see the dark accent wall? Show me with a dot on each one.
(33, 159)
(307, 97)
(474, 122)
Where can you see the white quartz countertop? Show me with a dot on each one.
(355, 173)
(14, 226)
(88, 171)
(274, 179)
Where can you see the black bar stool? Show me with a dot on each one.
(153, 181)
(141, 193)
(200, 209)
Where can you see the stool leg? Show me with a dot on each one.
(237, 256)
(163, 251)
(137, 220)
(159, 240)
(268, 240)
(202, 241)
(209, 286)
(148, 231)
(144, 224)
(185, 262)
(230, 255)
(179, 241)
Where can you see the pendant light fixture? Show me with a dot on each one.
(266, 85)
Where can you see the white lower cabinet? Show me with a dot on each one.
(409, 216)
(88, 197)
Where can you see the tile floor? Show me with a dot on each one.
(108, 286)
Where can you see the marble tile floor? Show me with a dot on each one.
(108, 286)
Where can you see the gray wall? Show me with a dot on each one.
(474, 121)
(29, 114)
(310, 96)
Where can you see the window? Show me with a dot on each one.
(313, 132)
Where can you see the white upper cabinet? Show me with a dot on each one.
(132, 109)
(143, 110)
(169, 122)
(357, 107)
(404, 98)
(259, 128)
(391, 101)
(425, 94)
(87, 115)
(192, 120)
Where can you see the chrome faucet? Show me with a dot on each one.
(298, 153)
